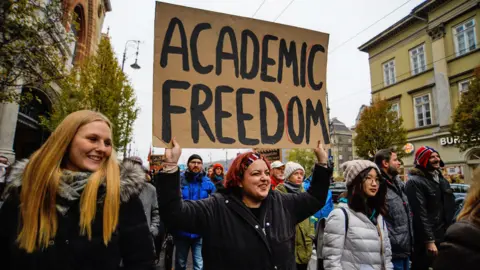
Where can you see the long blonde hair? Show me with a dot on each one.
(40, 182)
(471, 208)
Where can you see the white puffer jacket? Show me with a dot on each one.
(363, 247)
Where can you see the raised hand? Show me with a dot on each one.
(321, 153)
(172, 155)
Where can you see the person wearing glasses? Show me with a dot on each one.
(356, 235)
(195, 185)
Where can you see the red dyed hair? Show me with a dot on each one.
(237, 169)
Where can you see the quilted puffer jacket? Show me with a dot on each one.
(361, 246)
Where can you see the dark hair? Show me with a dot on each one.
(356, 196)
(383, 155)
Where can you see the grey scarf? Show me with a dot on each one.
(71, 188)
(293, 188)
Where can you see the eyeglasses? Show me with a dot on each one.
(370, 180)
(195, 163)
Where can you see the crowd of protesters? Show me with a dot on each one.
(72, 205)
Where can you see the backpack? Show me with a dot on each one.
(319, 237)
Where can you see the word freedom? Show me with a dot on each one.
(259, 58)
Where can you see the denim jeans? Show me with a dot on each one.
(182, 248)
(401, 264)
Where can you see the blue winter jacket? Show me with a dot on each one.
(195, 186)
(327, 208)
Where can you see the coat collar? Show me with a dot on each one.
(132, 179)
(237, 206)
(392, 183)
(418, 171)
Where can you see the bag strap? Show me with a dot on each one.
(346, 219)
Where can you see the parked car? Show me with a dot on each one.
(337, 188)
(459, 191)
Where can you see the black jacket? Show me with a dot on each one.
(233, 237)
(432, 203)
(461, 249)
(131, 243)
(399, 218)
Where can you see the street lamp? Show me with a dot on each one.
(134, 66)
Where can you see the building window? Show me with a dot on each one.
(349, 140)
(340, 149)
(423, 110)
(463, 87)
(464, 37)
(395, 107)
(349, 149)
(417, 59)
(76, 28)
(350, 158)
(340, 157)
(389, 72)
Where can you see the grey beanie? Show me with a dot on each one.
(353, 168)
(291, 167)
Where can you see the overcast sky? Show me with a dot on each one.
(348, 79)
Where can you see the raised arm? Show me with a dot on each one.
(190, 216)
(308, 203)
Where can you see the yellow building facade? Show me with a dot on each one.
(422, 64)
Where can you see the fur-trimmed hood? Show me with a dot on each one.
(132, 179)
(416, 172)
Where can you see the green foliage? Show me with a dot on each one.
(33, 45)
(466, 119)
(304, 157)
(379, 128)
(98, 84)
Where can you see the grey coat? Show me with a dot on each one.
(148, 196)
(399, 218)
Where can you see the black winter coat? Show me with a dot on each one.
(461, 249)
(399, 218)
(131, 243)
(432, 203)
(233, 237)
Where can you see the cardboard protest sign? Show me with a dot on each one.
(156, 162)
(270, 154)
(223, 81)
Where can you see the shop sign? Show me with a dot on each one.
(408, 148)
(449, 141)
(453, 140)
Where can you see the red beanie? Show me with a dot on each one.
(423, 155)
(217, 165)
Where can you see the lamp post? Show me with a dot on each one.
(134, 66)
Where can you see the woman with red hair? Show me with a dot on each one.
(247, 225)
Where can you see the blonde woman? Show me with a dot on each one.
(72, 206)
(461, 249)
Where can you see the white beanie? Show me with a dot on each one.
(291, 167)
(353, 168)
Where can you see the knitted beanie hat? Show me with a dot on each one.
(194, 156)
(353, 168)
(217, 165)
(291, 167)
(422, 156)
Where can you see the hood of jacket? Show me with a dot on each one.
(418, 171)
(132, 179)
